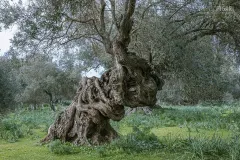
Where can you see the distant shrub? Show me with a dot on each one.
(228, 98)
(139, 140)
(10, 130)
(17, 125)
(204, 147)
(57, 147)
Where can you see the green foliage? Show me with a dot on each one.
(193, 43)
(173, 116)
(57, 147)
(22, 81)
(140, 140)
(21, 123)
(205, 148)
(197, 61)
(215, 147)
(10, 130)
(198, 132)
(8, 83)
(46, 85)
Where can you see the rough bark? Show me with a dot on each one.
(132, 82)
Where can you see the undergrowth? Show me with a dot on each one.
(137, 135)
(57, 147)
(21, 123)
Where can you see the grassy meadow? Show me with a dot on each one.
(171, 132)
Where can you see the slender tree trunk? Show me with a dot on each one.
(50, 100)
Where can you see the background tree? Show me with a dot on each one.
(43, 81)
(9, 86)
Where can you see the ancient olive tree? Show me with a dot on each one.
(132, 81)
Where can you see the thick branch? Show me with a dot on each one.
(102, 22)
(127, 23)
(102, 31)
(131, 8)
(207, 33)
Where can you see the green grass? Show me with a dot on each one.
(173, 132)
(28, 149)
(186, 133)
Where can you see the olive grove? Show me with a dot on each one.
(190, 44)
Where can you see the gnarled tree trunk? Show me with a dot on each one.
(131, 82)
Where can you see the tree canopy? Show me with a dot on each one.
(163, 31)
(186, 39)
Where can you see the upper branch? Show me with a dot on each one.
(113, 11)
(131, 8)
(127, 22)
(102, 22)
